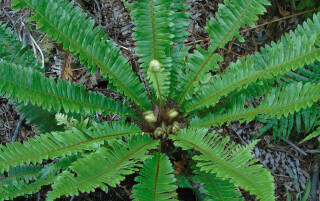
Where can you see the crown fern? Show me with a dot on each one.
(87, 154)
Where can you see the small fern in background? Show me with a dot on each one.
(87, 154)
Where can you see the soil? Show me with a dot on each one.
(279, 158)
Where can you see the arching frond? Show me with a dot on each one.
(156, 180)
(283, 126)
(53, 169)
(56, 144)
(216, 188)
(180, 21)
(44, 119)
(92, 48)
(22, 188)
(25, 84)
(228, 161)
(273, 61)
(231, 17)
(105, 166)
(20, 173)
(178, 55)
(278, 102)
(12, 50)
(42, 175)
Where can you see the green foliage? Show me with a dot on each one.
(106, 165)
(156, 179)
(89, 45)
(58, 144)
(227, 161)
(13, 50)
(216, 188)
(25, 84)
(282, 127)
(87, 154)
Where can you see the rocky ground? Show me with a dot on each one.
(284, 160)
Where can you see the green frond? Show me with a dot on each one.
(10, 192)
(216, 188)
(310, 73)
(44, 119)
(88, 43)
(180, 21)
(25, 173)
(12, 50)
(278, 102)
(178, 55)
(152, 20)
(230, 18)
(53, 169)
(273, 61)
(25, 84)
(282, 127)
(314, 134)
(105, 166)
(228, 161)
(156, 180)
(45, 176)
(160, 82)
(56, 144)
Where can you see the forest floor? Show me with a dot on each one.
(285, 161)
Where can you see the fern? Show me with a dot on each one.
(104, 166)
(273, 61)
(156, 180)
(24, 84)
(89, 45)
(88, 154)
(282, 127)
(227, 161)
(10, 192)
(280, 101)
(216, 188)
(20, 172)
(230, 18)
(37, 116)
(13, 51)
(58, 144)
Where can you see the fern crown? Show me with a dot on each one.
(184, 95)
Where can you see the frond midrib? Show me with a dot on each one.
(156, 178)
(44, 117)
(66, 147)
(18, 175)
(12, 52)
(53, 95)
(115, 165)
(260, 110)
(218, 46)
(153, 32)
(31, 187)
(91, 56)
(252, 76)
(215, 185)
(223, 163)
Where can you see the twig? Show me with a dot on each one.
(313, 151)
(314, 173)
(72, 198)
(17, 129)
(36, 44)
(296, 147)
(39, 197)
